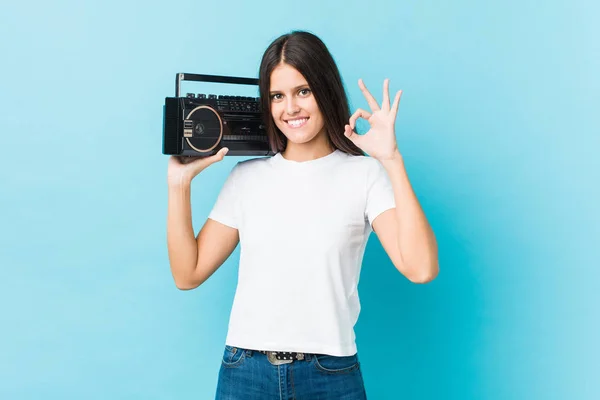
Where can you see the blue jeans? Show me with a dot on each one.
(249, 375)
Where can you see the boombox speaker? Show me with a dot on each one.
(200, 124)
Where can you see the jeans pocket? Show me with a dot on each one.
(233, 356)
(336, 364)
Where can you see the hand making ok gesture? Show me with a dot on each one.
(380, 141)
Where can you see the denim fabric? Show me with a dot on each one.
(249, 375)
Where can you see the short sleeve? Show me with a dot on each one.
(225, 209)
(380, 194)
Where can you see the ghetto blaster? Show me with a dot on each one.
(200, 124)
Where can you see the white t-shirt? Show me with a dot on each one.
(303, 229)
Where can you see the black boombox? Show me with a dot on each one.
(200, 124)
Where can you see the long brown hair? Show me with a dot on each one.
(308, 54)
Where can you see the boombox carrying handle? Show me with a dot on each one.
(211, 78)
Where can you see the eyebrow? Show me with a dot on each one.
(296, 88)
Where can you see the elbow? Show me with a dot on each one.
(185, 283)
(425, 274)
(422, 279)
(185, 276)
(184, 286)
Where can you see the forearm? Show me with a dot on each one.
(181, 241)
(416, 239)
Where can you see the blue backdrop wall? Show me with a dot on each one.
(499, 129)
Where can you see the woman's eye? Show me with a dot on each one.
(303, 92)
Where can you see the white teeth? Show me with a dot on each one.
(297, 122)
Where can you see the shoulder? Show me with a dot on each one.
(369, 169)
(253, 163)
(368, 165)
(250, 166)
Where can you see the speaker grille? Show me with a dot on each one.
(171, 128)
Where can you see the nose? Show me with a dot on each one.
(291, 106)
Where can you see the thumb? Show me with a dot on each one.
(350, 134)
(220, 154)
(207, 161)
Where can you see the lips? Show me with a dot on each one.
(297, 122)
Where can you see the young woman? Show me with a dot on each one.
(302, 218)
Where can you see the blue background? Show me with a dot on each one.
(499, 129)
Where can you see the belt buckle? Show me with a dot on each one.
(273, 360)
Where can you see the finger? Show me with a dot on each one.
(204, 162)
(370, 99)
(219, 155)
(350, 134)
(223, 151)
(385, 103)
(184, 160)
(396, 104)
(360, 113)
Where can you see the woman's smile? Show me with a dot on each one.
(297, 122)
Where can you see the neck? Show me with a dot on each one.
(300, 154)
(307, 151)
